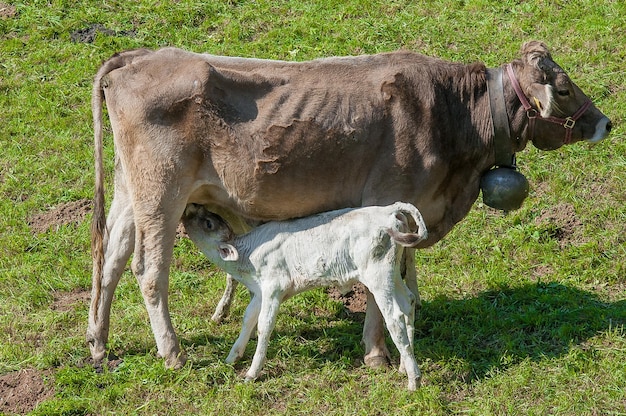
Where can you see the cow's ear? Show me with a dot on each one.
(534, 53)
(228, 252)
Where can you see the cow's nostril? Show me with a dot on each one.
(609, 126)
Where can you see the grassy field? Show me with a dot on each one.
(522, 313)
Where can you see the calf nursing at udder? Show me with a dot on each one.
(280, 259)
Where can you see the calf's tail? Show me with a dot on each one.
(409, 228)
(98, 221)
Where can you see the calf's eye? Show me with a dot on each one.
(209, 225)
(563, 93)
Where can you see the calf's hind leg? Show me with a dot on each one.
(376, 352)
(395, 305)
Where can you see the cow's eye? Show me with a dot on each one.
(563, 93)
(209, 225)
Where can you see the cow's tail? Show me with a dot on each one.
(409, 228)
(98, 222)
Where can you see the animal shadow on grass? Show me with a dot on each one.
(494, 329)
(313, 341)
(498, 328)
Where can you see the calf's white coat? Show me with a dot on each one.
(280, 259)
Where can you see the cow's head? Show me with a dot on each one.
(555, 103)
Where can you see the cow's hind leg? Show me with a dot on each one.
(154, 245)
(118, 246)
(223, 307)
(376, 352)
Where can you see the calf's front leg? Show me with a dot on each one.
(266, 322)
(250, 318)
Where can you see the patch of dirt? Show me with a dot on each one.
(111, 361)
(88, 34)
(562, 224)
(542, 271)
(7, 11)
(21, 391)
(69, 213)
(65, 301)
(355, 301)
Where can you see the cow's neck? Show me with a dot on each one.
(518, 121)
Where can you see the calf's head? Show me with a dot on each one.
(557, 103)
(210, 233)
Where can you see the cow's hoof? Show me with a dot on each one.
(176, 362)
(376, 362)
(97, 350)
(219, 316)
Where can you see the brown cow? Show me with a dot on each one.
(269, 140)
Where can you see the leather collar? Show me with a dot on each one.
(503, 147)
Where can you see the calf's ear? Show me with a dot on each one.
(228, 252)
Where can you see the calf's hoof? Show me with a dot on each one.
(414, 383)
(249, 378)
(233, 357)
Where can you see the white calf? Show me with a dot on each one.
(280, 259)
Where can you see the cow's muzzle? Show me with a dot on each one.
(603, 128)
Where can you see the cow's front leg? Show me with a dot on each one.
(376, 352)
(223, 307)
(154, 246)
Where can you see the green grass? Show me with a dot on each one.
(523, 313)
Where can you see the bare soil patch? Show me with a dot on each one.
(355, 301)
(88, 34)
(68, 213)
(21, 391)
(562, 223)
(7, 11)
(65, 301)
